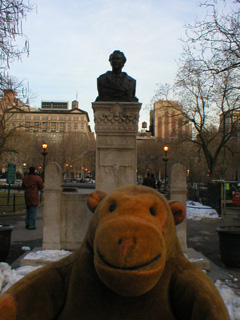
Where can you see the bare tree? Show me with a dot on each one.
(207, 82)
(206, 99)
(9, 107)
(12, 12)
(217, 36)
(73, 152)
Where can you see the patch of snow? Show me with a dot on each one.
(10, 276)
(25, 248)
(198, 211)
(232, 300)
(47, 255)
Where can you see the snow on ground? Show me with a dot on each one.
(9, 276)
(231, 299)
(197, 211)
(47, 255)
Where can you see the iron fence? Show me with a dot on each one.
(15, 200)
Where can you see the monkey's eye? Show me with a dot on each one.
(152, 211)
(112, 207)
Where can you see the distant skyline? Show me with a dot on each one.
(70, 42)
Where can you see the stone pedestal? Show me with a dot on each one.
(66, 215)
(178, 192)
(116, 127)
(52, 207)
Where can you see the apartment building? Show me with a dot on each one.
(167, 121)
(48, 123)
(230, 121)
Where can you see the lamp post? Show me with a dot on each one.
(24, 168)
(44, 153)
(165, 159)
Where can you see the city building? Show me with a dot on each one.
(167, 121)
(48, 124)
(230, 121)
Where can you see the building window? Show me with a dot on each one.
(75, 118)
(27, 118)
(53, 126)
(27, 126)
(44, 117)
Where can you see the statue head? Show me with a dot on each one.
(117, 60)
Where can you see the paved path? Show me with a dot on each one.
(20, 236)
(19, 232)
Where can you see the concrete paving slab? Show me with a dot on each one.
(198, 258)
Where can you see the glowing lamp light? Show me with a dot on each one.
(44, 146)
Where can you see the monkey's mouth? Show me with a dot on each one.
(131, 268)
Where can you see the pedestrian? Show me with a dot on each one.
(159, 185)
(154, 181)
(32, 184)
(148, 181)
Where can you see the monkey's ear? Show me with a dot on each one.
(178, 211)
(94, 199)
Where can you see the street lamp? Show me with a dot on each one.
(44, 153)
(24, 167)
(165, 159)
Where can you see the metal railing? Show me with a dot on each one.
(14, 201)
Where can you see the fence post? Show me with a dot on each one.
(9, 187)
(14, 202)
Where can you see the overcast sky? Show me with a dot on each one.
(70, 42)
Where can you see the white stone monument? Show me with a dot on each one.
(66, 215)
(178, 192)
(116, 127)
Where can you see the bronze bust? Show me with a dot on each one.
(116, 85)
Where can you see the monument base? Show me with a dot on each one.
(116, 127)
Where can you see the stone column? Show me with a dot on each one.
(52, 207)
(178, 192)
(116, 127)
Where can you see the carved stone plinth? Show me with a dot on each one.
(116, 127)
(178, 192)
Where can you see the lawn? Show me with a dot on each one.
(8, 206)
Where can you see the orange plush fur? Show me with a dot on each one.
(130, 266)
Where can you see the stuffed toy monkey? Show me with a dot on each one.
(130, 266)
